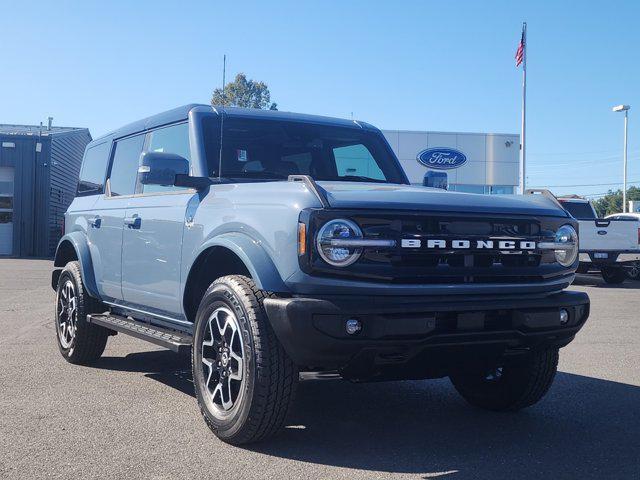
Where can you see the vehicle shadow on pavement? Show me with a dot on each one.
(584, 428)
(595, 280)
(163, 366)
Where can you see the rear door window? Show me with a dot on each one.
(94, 169)
(124, 168)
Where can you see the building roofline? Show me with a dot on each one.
(450, 133)
(21, 130)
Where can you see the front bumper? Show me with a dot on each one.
(428, 337)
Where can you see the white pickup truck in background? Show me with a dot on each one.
(610, 244)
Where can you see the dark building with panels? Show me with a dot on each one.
(39, 169)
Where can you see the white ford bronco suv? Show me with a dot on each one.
(266, 244)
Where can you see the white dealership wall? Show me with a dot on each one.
(492, 158)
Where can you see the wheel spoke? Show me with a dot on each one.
(237, 375)
(209, 365)
(227, 403)
(217, 391)
(221, 328)
(209, 343)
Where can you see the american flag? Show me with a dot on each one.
(520, 51)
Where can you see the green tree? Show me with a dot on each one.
(243, 92)
(612, 201)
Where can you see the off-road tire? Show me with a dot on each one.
(270, 377)
(522, 383)
(89, 340)
(613, 275)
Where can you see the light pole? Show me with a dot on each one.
(625, 109)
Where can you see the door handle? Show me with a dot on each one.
(95, 221)
(133, 221)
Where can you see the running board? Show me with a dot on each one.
(176, 341)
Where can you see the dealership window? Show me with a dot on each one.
(501, 189)
(94, 167)
(124, 170)
(468, 188)
(172, 139)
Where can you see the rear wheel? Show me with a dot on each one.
(79, 341)
(613, 275)
(634, 271)
(510, 385)
(244, 380)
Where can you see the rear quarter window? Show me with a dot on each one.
(94, 168)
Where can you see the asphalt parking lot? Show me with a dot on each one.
(133, 415)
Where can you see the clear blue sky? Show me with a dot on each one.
(417, 65)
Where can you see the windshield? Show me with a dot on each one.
(272, 149)
(579, 210)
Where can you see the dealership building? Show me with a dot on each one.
(38, 176)
(464, 162)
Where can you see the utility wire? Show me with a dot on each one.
(586, 185)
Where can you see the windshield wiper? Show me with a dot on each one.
(360, 178)
(255, 174)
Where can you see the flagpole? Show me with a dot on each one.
(523, 148)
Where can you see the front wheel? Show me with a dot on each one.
(244, 380)
(613, 275)
(510, 385)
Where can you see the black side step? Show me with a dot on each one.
(176, 341)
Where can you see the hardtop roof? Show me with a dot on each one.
(182, 113)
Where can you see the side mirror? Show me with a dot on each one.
(159, 168)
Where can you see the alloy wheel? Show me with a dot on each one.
(223, 360)
(67, 314)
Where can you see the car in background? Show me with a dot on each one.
(633, 271)
(611, 245)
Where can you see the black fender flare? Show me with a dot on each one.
(79, 242)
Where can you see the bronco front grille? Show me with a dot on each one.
(446, 266)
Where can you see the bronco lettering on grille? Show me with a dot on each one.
(495, 244)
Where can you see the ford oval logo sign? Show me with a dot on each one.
(442, 158)
(602, 232)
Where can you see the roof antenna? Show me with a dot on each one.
(224, 72)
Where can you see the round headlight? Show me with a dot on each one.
(333, 242)
(566, 234)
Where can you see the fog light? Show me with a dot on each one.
(564, 316)
(353, 326)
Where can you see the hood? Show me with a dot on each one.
(408, 197)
